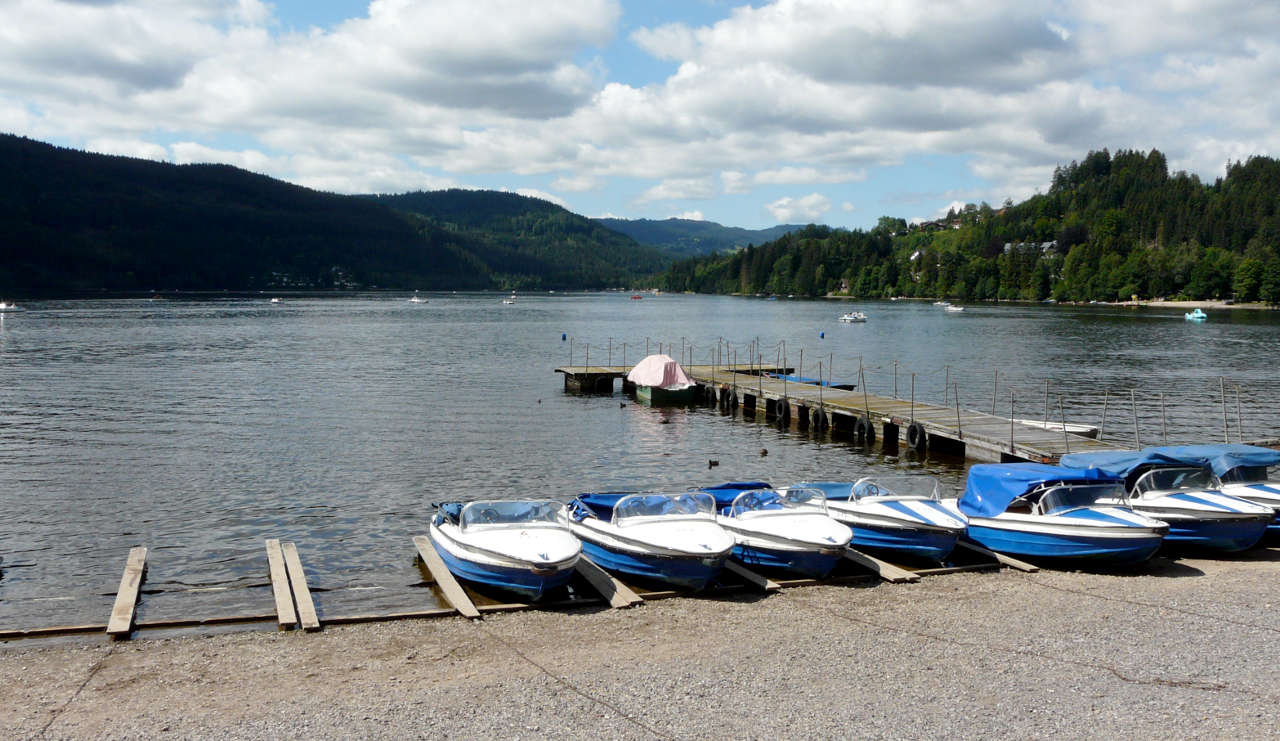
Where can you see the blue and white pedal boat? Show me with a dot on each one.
(1183, 495)
(672, 538)
(1040, 511)
(896, 516)
(788, 529)
(1246, 471)
(519, 545)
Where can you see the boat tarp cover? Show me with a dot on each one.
(725, 493)
(661, 371)
(1221, 458)
(993, 486)
(1121, 463)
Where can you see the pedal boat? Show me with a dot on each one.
(668, 538)
(896, 516)
(522, 546)
(1183, 495)
(1039, 511)
(784, 529)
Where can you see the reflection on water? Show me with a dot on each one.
(201, 428)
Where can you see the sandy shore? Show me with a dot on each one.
(1188, 648)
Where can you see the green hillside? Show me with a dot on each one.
(1110, 227)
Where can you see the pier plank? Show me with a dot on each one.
(614, 591)
(884, 569)
(758, 581)
(448, 585)
(122, 612)
(298, 582)
(286, 616)
(1004, 560)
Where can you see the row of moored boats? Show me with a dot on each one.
(1112, 508)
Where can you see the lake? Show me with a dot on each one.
(201, 427)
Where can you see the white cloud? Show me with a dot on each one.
(128, 148)
(535, 193)
(679, 189)
(672, 41)
(800, 175)
(576, 184)
(805, 208)
(848, 207)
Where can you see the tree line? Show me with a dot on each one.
(1110, 227)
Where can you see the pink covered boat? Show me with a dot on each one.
(659, 379)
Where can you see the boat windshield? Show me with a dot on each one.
(1167, 479)
(790, 500)
(1074, 496)
(1250, 475)
(635, 508)
(522, 512)
(925, 487)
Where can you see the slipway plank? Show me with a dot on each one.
(122, 613)
(286, 616)
(301, 594)
(444, 579)
(617, 593)
(883, 569)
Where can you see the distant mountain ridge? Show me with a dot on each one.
(73, 222)
(690, 238)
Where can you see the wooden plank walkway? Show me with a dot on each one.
(978, 435)
(122, 612)
(298, 582)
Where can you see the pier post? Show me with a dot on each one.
(1106, 394)
(1164, 425)
(1137, 439)
(1239, 421)
(1222, 384)
(1066, 439)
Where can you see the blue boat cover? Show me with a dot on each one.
(1120, 463)
(993, 486)
(1222, 458)
(725, 493)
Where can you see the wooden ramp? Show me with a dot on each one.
(294, 606)
(614, 591)
(449, 586)
(122, 612)
(883, 569)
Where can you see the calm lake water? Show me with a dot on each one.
(200, 428)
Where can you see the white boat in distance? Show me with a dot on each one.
(851, 317)
(416, 299)
(1072, 427)
(511, 300)
(952, 308)
(9, 307)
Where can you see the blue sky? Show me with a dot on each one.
(748, 114)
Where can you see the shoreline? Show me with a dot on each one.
(1003, 654)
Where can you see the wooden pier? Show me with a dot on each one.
(897, 422)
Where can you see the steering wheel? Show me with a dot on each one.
(488, 514)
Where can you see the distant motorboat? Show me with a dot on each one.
(1071, 427)
(9, 307)
(1195, 316)
(852, 317)
(510, 300)
(953, 309)
(941, 303)
(416, 299)
(275, 300)
(636, 297)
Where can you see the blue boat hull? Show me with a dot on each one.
(521, 581)
(1109, 551)
(931, 545)
(1218, 535)
(812, 564)
(688, 572)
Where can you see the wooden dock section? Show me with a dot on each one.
(917, 425)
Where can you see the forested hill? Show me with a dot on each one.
(1108, 228)
(689, 238)
(532, 243)
(73, 222)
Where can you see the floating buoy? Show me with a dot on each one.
(822, 335)
(563, 336)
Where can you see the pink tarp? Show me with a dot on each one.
(661, 371)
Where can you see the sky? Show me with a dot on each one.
(747, 114)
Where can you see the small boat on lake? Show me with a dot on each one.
(1040, 511)
(660, 380)
(853, 317)
(510, 300)
(953, 309)
(898, 516)
(1195, 316)
(520, 545)
(1245, 471)
(672, 538)
(1185, 495)
(1071, 427)
(788, 529)
(416, 299)
(7, 307)
(275, 300)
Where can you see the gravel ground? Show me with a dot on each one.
(1188, 649)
